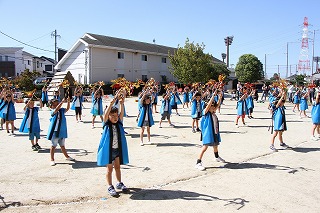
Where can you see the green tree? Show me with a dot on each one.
(25, 80)
(218, 69)
(300, 79)
(190, 64)
(249, 69)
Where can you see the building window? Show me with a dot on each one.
(144, 57)
(120, 75)
(28, 62)
(48, 68)
(37, 64)
(120, 55)
(144, 78)
(6, 58)
(164, 60)
(41, 64)
(0, 58)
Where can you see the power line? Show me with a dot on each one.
(26, 43)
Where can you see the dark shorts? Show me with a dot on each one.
(114, 154)
(78, 110)
(45, 102)
(165, 115)
(175, 106)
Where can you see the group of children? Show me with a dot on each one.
(113, 149)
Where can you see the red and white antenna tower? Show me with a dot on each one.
(304, 62)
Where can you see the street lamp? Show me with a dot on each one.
(223, 55)
(228, 41)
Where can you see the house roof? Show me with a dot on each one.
(108, 41)
(48, 59)
(24, 53)
(10, 49)
(91, 39)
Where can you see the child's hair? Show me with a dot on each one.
(52, 101)
(214, 103)
(197, 94)
(114, 110)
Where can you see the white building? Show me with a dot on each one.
(102, 58)
(11, 61)
(43, 65)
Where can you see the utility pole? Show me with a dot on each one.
(265, 65)
(55, 35)
(228, 41)
(287, 60)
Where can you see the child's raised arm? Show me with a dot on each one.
(107, 112)
(206, 110)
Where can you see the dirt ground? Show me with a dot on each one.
(162, 177)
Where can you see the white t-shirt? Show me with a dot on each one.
(166, 105)
(115, 143)
(77, 102)
(29, 118)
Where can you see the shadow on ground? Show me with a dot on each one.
(160, 194)
(263, 166)
(4, 204)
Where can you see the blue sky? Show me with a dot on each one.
(259, 27)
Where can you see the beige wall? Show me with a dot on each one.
(106, 66)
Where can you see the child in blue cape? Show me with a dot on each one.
(31, 124)
(279, 121)
(242, 109)
(57, 131)
(210, 133)
(186, 97)
(250, 104)
(296, 100)
(165, 109)
(113, 149)
(8, 112)
(2, 102)
(44, 97)
(154, 99)
(97, 109)
(145, 119)
(57, 95)
(315, 115)
(197, 106)
(77, 103)
(304, 104)
(175, 100)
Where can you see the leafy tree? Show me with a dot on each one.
(275, 77)
(25, 80)
(300, 79)
(218, 69)
(249, 69)
(190, 63)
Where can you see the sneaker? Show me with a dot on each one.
(121, 186)
(92, 127)
(171, 125)
(198, 130)
(149, 142)
(200, 167)
(285, 146)
(141, 143)
(219, 159)
(193, 130)
(314, 138)
(178, 114)
(52, 163)
(112, 191)
(70, 158)
(34, 148)
(273, 148)
(37, 145)
(160, 126)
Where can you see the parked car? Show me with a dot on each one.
(42, 80)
